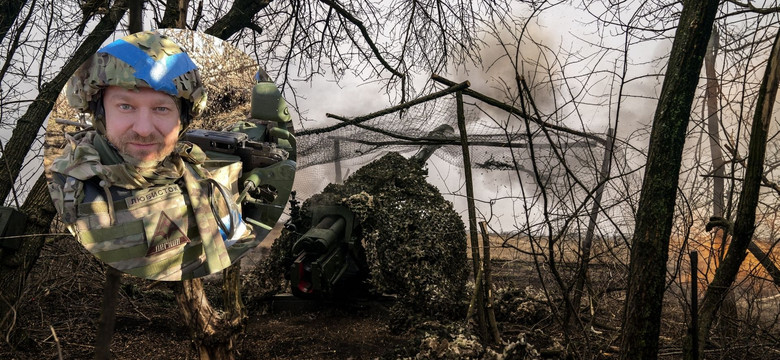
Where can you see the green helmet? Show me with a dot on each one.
(144, 59)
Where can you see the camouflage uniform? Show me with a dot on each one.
(170, 222)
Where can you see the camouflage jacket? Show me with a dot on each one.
(169, 223)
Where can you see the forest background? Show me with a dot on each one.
(636, 140)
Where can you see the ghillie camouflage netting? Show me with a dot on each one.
(502, 144)
(490, 131)
(414, 241)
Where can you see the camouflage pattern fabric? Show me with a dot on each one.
(161, 231)
(82, 160)
(213, 246)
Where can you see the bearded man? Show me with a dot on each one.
(131, 192)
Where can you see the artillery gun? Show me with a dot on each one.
(384, 231)
(326, 255)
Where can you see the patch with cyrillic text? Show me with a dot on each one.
(148, 196)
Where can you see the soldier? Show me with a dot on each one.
(132, 193)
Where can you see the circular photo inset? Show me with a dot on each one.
(170, 154)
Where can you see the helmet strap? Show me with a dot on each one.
(98, 114)
(185, 106)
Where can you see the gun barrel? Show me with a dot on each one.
(425, 152)
(323, 254)
(323, 237)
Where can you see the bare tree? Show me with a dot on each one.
(38, 204)
(293, 44)
(744, 226)
(15, 265)
(712, 94)
(649, 251)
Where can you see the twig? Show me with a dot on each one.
(35, 235)
(74, 123)
(487, 287)
(12, 307)
(135, 307)
(56, 341)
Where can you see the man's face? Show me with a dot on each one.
(143, 124)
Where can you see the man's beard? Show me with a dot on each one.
(141, 159)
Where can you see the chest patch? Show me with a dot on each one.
(167, 236)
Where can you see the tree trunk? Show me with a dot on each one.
(26, 128)
(15, 265)
(135, 19)
(472, 214)
(235, 312)
(107, 320)
(712, 94)
(746, 212)
(649, 252)
(729, 309)
(211, 333)
(582, 273)
(175, 14)
(238, 17)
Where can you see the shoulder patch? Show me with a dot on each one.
(167, 236)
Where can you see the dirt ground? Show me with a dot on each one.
(57, 319)
(58, 316)
(61, 308)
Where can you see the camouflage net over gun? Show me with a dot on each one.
(414, 241)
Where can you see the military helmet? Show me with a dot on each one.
(144, 59)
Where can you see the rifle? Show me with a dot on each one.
(253, 154)
(268, 171)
